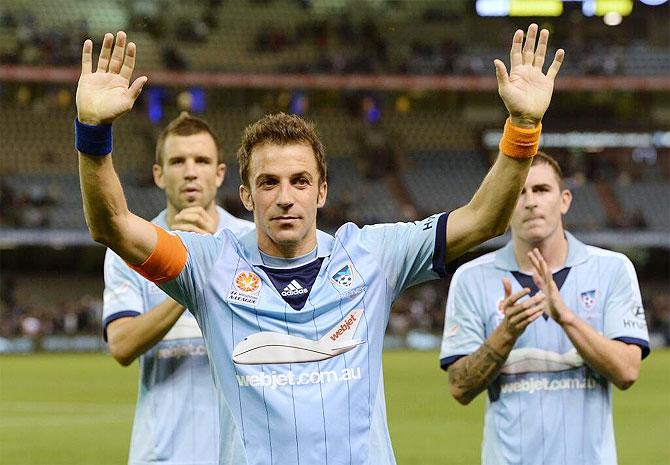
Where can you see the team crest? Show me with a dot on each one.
(247, 288)
(344, 277)
(588, 299)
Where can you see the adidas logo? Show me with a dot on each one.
(293, 288)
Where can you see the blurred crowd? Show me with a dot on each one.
(68, 317)
(29, 207)
(349, 42)
(419, 309)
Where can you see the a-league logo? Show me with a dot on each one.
(247, 282)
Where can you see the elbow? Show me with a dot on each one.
(499, 223)
(627, 378)
(460, 396)
(98, 236)
(499, 229)
(494, 230)
(123, 357)
(98, 232)
(103, 234)
(493, 225)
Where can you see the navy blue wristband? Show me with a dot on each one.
(93, 140)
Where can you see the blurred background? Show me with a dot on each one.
(403, 93)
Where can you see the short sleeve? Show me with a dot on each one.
(203, 251)
(122, 296)
(624, 313)
(464, 329)
(409, 253)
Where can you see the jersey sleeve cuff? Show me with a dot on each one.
(641, 343)
(116, 316)
(446, 362)
(440, 266)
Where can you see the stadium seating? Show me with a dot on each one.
(228, 37)
(651, 199)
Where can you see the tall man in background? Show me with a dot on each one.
(547, 361)
(177, 415)
(294, 318)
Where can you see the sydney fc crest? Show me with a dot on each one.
(588, 299)
(344, 277)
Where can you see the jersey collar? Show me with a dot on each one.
(577, 253)
(249, 242)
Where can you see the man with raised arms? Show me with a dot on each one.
(548, 361)
(272, 305)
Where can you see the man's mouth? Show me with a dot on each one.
(189, 191)
(285, 218)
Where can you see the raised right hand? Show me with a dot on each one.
(104, 95)
(519, 315)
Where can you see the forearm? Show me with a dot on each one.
(617, 361)
(489, 211)
(494, 201)
(106, 211)
(471, 375)
(105, 207)
(131, 337)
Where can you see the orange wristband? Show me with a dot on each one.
(519, 142)
(166, 261)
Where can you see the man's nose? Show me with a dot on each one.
(285, 195)
(189, 170)
(529, 199)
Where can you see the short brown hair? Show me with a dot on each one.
(185, 125)
(542, 158)
(280, 129)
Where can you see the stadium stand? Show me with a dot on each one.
(438, 131)
(294, 36)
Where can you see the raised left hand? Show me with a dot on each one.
(527, 91)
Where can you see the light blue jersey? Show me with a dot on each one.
(177, 421)
(547, 407)
(297, 352)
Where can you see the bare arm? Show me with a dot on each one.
(488, 213)
(470, 375)
(526, 92)
(617, 361)
(103, 96)
(130, 337)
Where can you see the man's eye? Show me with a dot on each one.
(302, 181)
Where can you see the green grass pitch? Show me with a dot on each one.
(78, 410)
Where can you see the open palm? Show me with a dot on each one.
(106, 94)
(527, 91)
